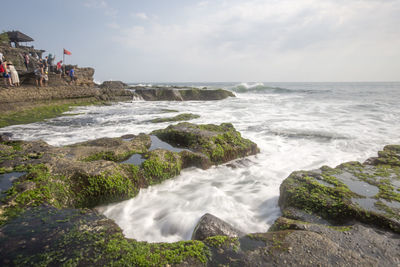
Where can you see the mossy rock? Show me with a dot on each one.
(112, 149)
(161, 165)
(220, 143)
(180, 117)
(45, 236)
(60, 182)
(365, 192)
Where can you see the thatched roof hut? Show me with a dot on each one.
(17, 37)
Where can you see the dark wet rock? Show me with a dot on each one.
(5, 137)
(46, 236)
(128, 136)
(220, 143)
(306, 244)
(192, 159)
(210, 225)
(301, 215)
(113, 85)
(181, 94)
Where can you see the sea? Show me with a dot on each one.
(297, 126)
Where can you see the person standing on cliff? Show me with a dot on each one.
(1, 58)
(39, 75)
(59, 67)
(72, 75)
(6, 75)
(26, 60)
(45, 64)
(14, 74)
(50, 62)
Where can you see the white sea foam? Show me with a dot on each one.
(250, 85)
(315, 125)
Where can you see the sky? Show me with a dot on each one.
(218, 40)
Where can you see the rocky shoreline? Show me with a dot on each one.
(327, 215)
(27, 104)
(59, 185)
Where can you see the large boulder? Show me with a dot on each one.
(210, 225)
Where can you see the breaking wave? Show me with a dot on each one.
(260, 88)
(309, 134)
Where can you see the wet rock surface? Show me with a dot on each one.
(113, 85)
(209, 225)
(367, 192)
(219, 143)
(353, 210)
(44, 217)
(45, 220)
(180, 117)
(181, 94)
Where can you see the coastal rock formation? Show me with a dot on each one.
(219, 143)
(59, 183)
(94, 172)
(209, 226)
(113, 85)
(28, 104)
(16, 56)
(368, 193)
(45, 220)
(181, 94)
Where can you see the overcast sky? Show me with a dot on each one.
(218, 40)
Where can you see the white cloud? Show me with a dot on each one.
(284, 39)
(103, 5)
(141, 16)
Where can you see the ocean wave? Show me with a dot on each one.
(260, 88)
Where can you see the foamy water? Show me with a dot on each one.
(297, 126)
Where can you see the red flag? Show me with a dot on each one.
(66, 52)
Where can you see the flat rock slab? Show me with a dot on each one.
(181, 94)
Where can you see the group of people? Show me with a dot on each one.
(11, 77)
(8, 72)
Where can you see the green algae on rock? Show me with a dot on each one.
(41, 234)
(220, 143)
(352, 191)
(180, 117)
(45, 209)
(90, 173)
(81, 237)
